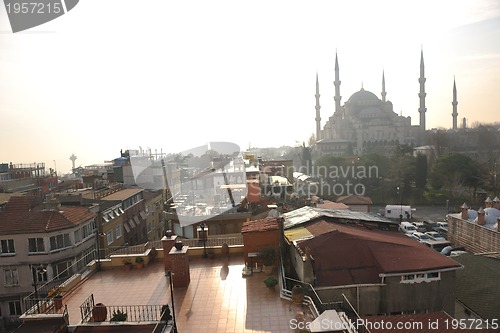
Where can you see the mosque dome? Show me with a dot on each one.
(363, 97)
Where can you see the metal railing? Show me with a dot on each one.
(233, 240)
(44, 288)
(214, 241)
(127, 313)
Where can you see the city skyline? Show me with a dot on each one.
(111, 76)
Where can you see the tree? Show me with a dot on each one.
(421, 171)
(456, 173)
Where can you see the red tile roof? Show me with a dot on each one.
(327, 204)
(266, 224)
(355, 200)
(17, 218)
(20, 203)
(350, 254)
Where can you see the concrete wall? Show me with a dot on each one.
(474, 238)
(397, 297)
(302, 265)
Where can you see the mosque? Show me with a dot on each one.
(367, 123)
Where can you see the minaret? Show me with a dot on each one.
(454, 103)
(337, 97)
(383, 87)
(318, 107)
(422, 109)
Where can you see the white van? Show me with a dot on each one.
(407, 228)
(394, 212)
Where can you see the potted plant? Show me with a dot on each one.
(128, 264)
(268, 258)
(139, 262)
(270, 282)
(56, 295)
(119, 316)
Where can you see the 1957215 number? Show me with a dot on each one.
(33, 8)
(471, 324)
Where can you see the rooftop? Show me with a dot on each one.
(306, 214)
(19, 217)
(367, 252)
(122, 194)
(265, 224)
(477, 284)
(218, 298)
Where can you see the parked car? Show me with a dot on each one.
(420, 236)
(420, 226)
(443, 225)
(431, 225)
(407, 228)
(434, 235)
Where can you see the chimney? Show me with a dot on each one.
(480, 216)
(496, 203)
(488, 202)
(498, 224)
(465, 212)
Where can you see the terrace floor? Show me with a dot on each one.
(218, 298)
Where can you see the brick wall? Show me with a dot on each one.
(258, 241)
(168, 243)
(474, 238)
(180, 266)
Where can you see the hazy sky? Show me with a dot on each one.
(171, 75)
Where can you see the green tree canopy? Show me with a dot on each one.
(455, 170)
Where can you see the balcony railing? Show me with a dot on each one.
(91, 312)
(214, 241)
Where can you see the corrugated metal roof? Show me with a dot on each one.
(306, 214)
(299, 233)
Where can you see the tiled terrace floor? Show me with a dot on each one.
(218, 298)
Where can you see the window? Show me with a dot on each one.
(15, 308)
(109, 236)
(11, 277)
(409, 277)
(78, 236)
(87, 231)
(118, 231)
(421, 277)
(36, 245)
(62, 269)
(8, 247)
(59, 242)
(39, 272)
